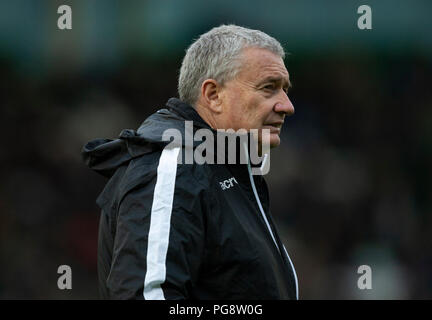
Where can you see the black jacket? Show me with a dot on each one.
(183, 231)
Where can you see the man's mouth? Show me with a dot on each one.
(274, 127)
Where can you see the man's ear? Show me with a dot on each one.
(210, 92)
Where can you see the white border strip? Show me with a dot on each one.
(160, 220)
(257, 198)
(265, 219)
(295, 274)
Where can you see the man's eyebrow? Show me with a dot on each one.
(277, 79)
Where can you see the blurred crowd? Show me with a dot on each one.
(350, 184)
(356, 185)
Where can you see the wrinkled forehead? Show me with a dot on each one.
(261, 63)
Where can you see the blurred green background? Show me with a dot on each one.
(349, 185)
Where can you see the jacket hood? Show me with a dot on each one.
(106, 155)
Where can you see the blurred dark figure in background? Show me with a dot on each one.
(193, 231)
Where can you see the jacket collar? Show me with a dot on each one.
(187, 112)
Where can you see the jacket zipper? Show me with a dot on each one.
(265, 218)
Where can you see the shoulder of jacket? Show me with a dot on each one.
(145, 168)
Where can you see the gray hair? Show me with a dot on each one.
(215, 55)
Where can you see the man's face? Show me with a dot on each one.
(256, 98)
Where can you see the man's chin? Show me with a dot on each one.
(273, 143)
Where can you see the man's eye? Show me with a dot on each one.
(269, 87)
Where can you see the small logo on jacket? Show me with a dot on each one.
(226, 184)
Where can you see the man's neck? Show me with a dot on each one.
(206, 115)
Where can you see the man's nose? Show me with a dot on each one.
(285, 106)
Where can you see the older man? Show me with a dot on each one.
(170, 230)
